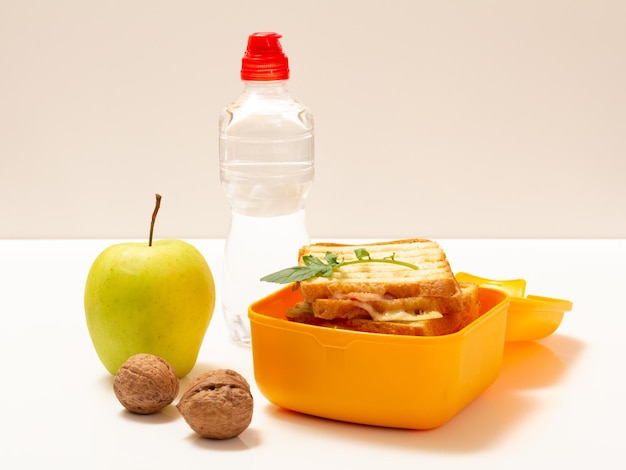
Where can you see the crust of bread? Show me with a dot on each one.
(433, 278)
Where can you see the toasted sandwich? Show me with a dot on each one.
(402, 287)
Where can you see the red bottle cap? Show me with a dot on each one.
(264, 59)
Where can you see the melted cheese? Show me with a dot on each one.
(397, 315)
(358, 296)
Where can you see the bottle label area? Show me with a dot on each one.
(267, 189)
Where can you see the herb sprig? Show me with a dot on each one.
(316, 267)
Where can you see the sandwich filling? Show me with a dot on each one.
(367, 300)
(397, 315)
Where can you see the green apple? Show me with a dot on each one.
(144, 297)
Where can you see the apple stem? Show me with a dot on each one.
(154, 214)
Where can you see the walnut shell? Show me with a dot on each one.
(217, 404)
(145, 384)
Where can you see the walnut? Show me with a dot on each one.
(145, 384)
(217, 404)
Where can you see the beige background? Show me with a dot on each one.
(433, 118)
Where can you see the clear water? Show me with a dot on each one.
(256, 246)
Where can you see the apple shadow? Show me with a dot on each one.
(107, 380)
(481, 424)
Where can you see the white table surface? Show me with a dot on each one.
(559, 401)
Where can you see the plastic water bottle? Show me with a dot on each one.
(266, 149)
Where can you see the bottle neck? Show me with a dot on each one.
(267, 87)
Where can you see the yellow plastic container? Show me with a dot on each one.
(374, 379)
(529, 318)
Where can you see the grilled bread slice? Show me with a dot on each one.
(433, 278)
